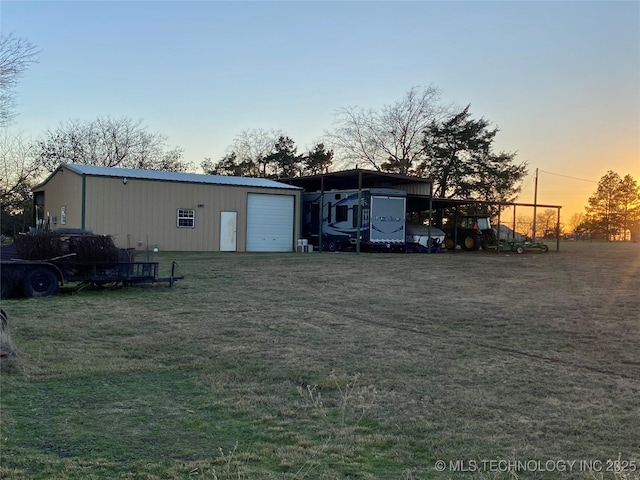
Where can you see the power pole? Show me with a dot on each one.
(535, 208)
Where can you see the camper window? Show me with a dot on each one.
(342, 213)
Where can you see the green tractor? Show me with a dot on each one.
(471, 233)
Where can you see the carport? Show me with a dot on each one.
(419, 194)
(419, 204)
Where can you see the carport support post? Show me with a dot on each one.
(34, 212)
(498, 235)
(455, 228)
(359, 223)
(535, 207)
(320, 220)
(558, 232)
(429, 226)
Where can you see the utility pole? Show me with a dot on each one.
(535, 208)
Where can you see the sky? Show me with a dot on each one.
(561, 80)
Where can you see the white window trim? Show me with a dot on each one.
(186, 214)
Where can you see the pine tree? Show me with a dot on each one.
(614, 208)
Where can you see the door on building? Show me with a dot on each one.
(270, 220)
(228, 231)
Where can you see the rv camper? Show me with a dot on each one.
(382, 220)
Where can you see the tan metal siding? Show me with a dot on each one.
(64, 189)
(144, 211)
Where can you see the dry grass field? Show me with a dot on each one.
(332, 366)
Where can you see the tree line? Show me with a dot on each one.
(269, 154)
(413, 136)
(612, 213)
(416, 135)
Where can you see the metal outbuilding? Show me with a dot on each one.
(172, 211)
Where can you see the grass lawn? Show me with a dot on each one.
(331, 366)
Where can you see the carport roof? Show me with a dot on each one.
(419, 203)
(93, 170)
(348, 179)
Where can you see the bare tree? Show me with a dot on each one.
(546, 222)
(389, 139)
(576, 220)
(18, 173)
(253, 147)
(108, 142)
(16, 54)
(524, 224)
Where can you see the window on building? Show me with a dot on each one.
(186, 218)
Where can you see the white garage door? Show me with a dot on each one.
(269, 223)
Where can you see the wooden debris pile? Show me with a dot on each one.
(47, 245)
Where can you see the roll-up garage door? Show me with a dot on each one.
(269, 223)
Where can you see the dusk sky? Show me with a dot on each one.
(561, 80)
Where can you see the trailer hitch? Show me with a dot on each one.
(171, 279)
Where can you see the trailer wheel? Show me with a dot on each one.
(544, 248)
(40, 282)
(519, 249)
(6, 283)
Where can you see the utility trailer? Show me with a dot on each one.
(43, 278)
(521, 246)
(33, 277)
(382, 220)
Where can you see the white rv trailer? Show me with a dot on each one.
(381, 226)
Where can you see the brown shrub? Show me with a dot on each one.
(47, 245)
